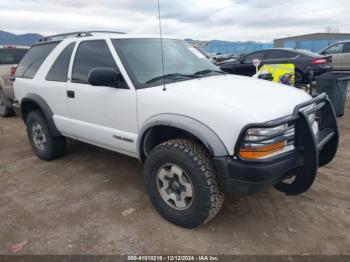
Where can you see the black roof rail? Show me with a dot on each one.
(59, 37)
(62, 36)
(113, 32)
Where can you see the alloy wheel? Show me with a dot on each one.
(39, 137)
(175, 186)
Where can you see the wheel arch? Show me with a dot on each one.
(35, 102)
(163, 127)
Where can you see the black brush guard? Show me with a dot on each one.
(311, 151)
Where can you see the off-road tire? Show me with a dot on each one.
(5, 111)
(198, 165)
(55, 145)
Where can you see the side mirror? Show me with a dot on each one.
(102, 76)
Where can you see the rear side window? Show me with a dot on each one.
(10, 56)
(252, 56)
(279, 54)
(90, 55)
(32, 61)
(59, 70)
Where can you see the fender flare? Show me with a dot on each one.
(45, 109)
(204, 133)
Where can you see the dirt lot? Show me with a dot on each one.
(76, 205)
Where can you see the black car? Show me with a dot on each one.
(300, 58)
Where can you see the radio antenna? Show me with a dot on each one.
(161, 44)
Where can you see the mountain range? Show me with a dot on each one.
(28, 39)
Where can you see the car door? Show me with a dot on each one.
(336, 52)
(101, 115)
(346, 56)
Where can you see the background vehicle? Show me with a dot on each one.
(301, 59)
(201, 133)
(9, 56)
(202, 51)
(340, 54)
(224, 57)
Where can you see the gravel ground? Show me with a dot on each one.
(93, 201)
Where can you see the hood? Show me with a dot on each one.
(260, 99)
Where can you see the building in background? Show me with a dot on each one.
(312, 42)
(238, 48)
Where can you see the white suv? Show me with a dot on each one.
(200, 133)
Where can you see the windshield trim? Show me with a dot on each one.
(132, 76)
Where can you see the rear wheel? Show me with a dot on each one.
(44, 144)
(5, 111)
(182, 184)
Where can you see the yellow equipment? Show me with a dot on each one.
(281, 73)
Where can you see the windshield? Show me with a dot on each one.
(143, 59)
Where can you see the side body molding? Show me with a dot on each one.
(45, 109)
(205, 134)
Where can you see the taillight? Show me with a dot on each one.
(319, 61)
(13, 71)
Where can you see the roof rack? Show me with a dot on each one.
(60, 37)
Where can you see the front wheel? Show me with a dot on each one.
(182, 184)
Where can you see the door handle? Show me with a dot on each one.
(70, 94)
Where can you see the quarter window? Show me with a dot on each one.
(59, 69)
(90, 55)
(32, 61)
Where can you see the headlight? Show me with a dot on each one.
(254, 134)
(260, 143)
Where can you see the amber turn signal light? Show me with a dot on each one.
(261, 151)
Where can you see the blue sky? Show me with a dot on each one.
(199, 19)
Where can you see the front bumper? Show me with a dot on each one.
(240, 176)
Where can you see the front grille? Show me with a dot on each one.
(318, 115)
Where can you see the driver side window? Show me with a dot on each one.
(346, 48)
(90, 55)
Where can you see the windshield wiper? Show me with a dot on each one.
(208, 71)
(170, 76)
